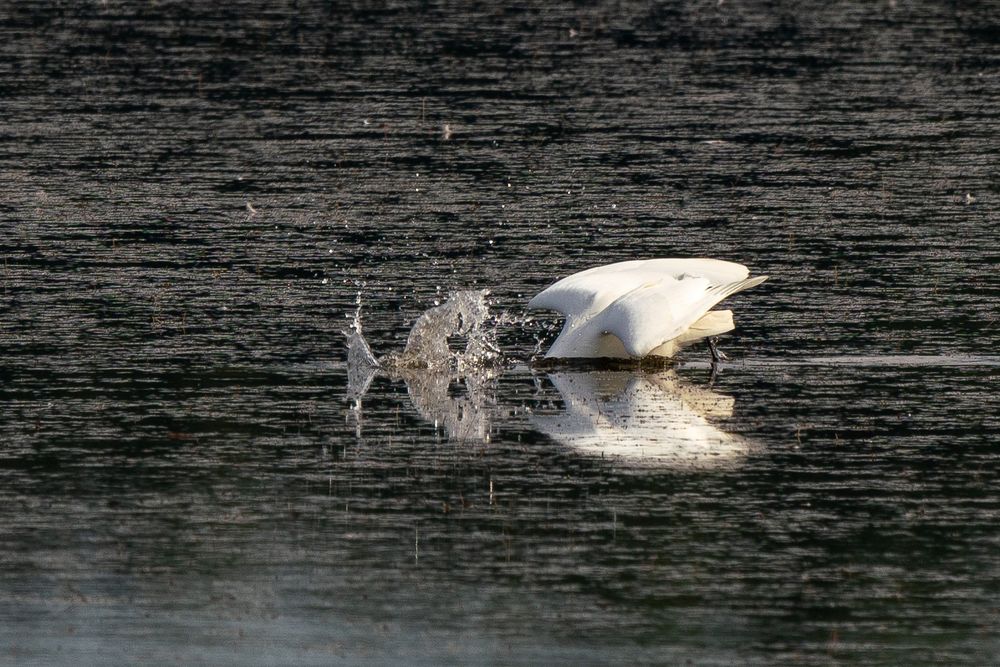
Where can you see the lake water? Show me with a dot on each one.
(192, 198)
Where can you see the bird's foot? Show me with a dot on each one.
(717, 354)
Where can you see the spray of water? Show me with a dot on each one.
(453, 341)
(457, 335)
(361, 363)
(436, 338)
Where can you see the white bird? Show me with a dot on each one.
(641, 308)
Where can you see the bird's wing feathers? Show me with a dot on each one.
(657, 312)
(653, 313)
(588, 292)
(716, 271)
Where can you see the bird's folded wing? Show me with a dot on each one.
(588, 292)
(716, 271)
(659, 311)
(653, 313)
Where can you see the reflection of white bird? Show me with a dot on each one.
(641, 308)
(642, 418)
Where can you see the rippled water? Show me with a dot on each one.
(192, 197)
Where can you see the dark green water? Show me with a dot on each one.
(191, 198)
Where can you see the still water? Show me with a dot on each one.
(192, 199)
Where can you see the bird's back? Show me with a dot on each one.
(631, 309)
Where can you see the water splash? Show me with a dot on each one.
(453, 341)
(464, 317)
(463, 320)
(361, 363)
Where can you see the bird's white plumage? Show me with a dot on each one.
(642, 307)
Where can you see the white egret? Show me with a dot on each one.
(642, 308)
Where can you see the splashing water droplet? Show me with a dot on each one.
(434, 359)
(361, 363)
(464, 314)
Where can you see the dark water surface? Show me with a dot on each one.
(192, 195)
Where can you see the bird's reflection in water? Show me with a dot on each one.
(641, 418)
(634, 417)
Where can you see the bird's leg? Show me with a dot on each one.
(717, 354)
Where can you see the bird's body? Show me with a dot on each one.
(641, 308)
